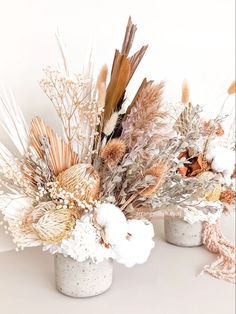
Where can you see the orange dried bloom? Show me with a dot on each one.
(227, 196)
(113, 152)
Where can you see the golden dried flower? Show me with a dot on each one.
(113, 152)
(232, 88)
(48, 223)
(81, 179)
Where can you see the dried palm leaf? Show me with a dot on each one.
(123, 69)
(50, 147)
(12, 121)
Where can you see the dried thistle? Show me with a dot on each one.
(113, 152)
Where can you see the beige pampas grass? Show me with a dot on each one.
(58, 154)
(82, 180)
(185, 92)
(113, 152)
(232, 88)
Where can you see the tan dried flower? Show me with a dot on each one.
(113, 152)
(81, 179)
(49, 223)
(185, 92)
(232, 88)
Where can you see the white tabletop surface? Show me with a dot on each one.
(166, 284)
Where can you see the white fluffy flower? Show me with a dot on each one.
(138, 245)
(84, 243)
(113, 221)
(130, 240)
(222, 160)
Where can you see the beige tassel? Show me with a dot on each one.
(81, 179)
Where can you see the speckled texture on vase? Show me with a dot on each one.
(82, 279)
(181, 233)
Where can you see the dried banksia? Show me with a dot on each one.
(232, 88)
(185, 92)
(48, 223)
(113, 152)
(82, 180)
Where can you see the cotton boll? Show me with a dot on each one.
(109, 213)
(114, 222)
(222, 160)
(137, 247)
(115, 233)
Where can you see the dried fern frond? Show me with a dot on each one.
(123, 69)
(145, 115)
(50, 147)
(12, 121)
(185, 93)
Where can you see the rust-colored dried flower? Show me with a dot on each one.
(227, 196)
(212, 129)
(113, 152)
(195, 165)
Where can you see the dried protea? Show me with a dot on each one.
(48, 223)
(82, 180)
(113, 152)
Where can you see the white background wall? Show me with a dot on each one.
(191, 39)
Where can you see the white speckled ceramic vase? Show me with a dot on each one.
(82, 279)
(181, 233)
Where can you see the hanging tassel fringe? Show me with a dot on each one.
(214, 241)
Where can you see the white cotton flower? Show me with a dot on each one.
(112, 219)
(137, 246)
(84, 243)
(130, 240)
(222, 160)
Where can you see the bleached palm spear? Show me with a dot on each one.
(12, 121)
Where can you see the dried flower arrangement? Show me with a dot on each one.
(79, 195)
(200, 184)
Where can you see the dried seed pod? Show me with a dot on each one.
(82, 180)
